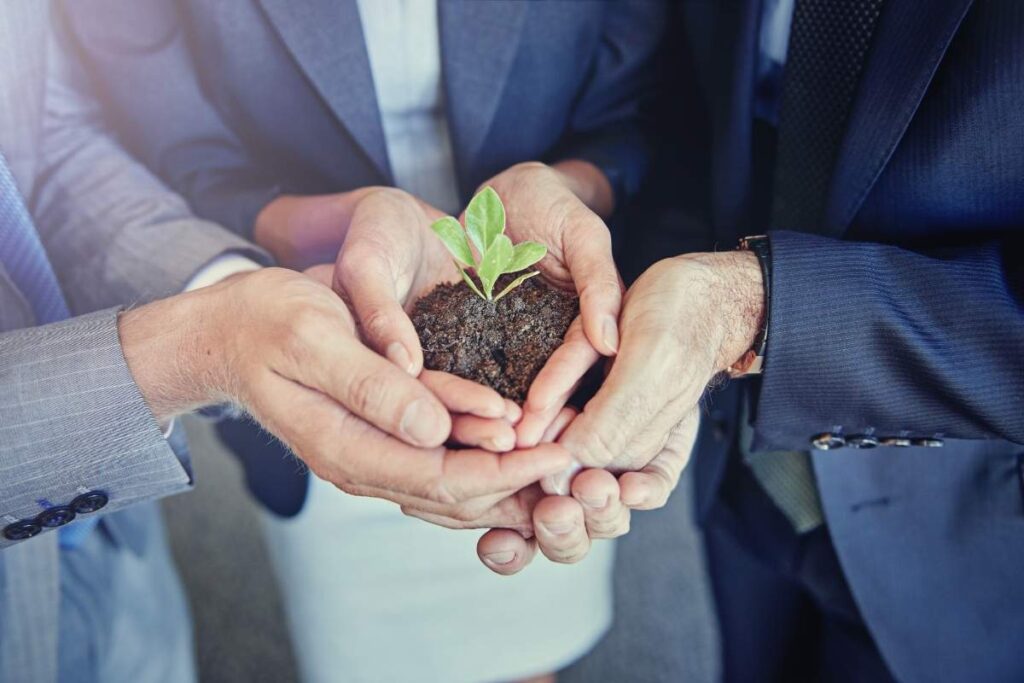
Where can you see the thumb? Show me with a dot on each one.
(365, 279)
(588, 255)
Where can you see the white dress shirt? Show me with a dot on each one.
(379, 596)
(404, 47)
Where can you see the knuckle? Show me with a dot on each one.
(612, 528)
(376, 323)
(367, 393)
(440, 492)
(566, 555)
(604, 448)
(465, 512)
(601, 287)
(304, 323)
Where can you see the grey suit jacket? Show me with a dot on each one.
(71, 417)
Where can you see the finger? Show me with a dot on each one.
(370, 289)
(558, 484)
(588, 255)
(651, 487)
(603, 511)
(561, 532)
(327, 357)
(505, 552)
(514, 511)
(323, 273)
(642, 395)
(354, 455)
(369, 272)
(463, 396)
(558, 425)
(555, 384)
(495, 435)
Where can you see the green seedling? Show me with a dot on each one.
(485, 227)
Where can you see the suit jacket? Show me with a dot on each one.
(901, 315)
(234, 102)
(71, 418)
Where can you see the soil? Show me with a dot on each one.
(501, 344)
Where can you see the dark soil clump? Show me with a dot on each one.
(502, 345)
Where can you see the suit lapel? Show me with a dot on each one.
(326, 39)
(478, 46)
(909, 46)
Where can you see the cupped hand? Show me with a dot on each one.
(563, 527)
(560, 206)
(287, 350)
(684, 321)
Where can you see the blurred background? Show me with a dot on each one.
(661, 632)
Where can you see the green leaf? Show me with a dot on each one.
(515, 283)
(493, 263)
(485, 218)
(524, 255)
(454, 238)
(472, 285)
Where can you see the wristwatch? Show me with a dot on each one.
(752, 362)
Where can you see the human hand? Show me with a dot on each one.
(284, 347)
(302, 231)
(684, 321)
(560, 207)
(563, 527)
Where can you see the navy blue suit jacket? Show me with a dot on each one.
(901, 315)
(235, 101)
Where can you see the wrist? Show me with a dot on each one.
(301, 231)
(168, 348)
(589, 184)
(734, 289)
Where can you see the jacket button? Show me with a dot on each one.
(19, 531)
(895, 441)
(90, 502)
(827, 441)
(55, 517)
(928, 443)
(861, 441)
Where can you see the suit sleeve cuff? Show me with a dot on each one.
(73, 419)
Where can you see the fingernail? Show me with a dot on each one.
(610, 333)
(636, 495)
(398, 355)
(419, 422)
(499, 444)
(596, 503)
(559, 527)
(501, 558)
(512, 411)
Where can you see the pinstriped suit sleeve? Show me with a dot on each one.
(871, 336)
(72, 418)
(114, 232)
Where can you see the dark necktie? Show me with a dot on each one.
(829, 45)
(23, 256)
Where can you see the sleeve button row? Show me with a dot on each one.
(828, 441)
(56, 516)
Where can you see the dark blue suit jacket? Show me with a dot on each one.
(236, 101)
(901, 315)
